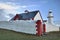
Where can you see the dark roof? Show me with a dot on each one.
(28, 15)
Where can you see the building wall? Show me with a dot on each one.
(51, 27)
(19, 26)
(24, 26)
(38, 17)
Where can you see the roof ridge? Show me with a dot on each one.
(31, 11)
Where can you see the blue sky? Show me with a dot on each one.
(12, 7)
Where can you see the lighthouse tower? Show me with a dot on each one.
(50, 17)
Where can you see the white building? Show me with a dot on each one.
(50, 25)
(30, 22)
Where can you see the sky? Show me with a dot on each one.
(8, 8)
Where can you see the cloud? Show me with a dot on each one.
(14, 8)
(11, 7)
(6, 6)
(3, 15)
(5, 10)
(8, 10)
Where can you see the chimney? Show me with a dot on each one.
(26, 11)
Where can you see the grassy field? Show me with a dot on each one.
(11, 35)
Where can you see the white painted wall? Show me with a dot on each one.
(37, 17)
(51, 27)
(27, 26)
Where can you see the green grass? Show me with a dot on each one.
(11, 35)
